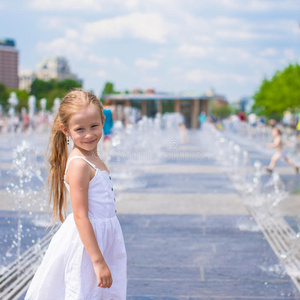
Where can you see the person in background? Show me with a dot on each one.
(242, 116)
(107, 128)
(202, 118)
(298, 128)
(278, 144)
(252, 120)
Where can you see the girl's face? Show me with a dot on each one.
(85, 128)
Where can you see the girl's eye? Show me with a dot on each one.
(94, 125)
(78, 129)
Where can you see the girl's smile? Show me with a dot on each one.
(91, 142)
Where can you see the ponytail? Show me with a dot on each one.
(58, 155)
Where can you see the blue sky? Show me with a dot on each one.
(167, 45)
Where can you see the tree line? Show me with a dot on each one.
(46, 89)
(279, 94)
(40, 89)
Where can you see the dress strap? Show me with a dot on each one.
(77, 156)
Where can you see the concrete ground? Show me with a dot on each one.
(189, 236)
(187, 233)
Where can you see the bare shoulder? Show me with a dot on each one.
(78, 171)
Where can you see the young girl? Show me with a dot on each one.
(86, 258)
(278, 145)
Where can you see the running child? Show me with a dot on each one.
(280, 153)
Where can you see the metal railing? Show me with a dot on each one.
(16, 277)
(280, 236)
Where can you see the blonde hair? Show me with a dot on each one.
(72, 103)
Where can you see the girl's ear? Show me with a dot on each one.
(64, 129)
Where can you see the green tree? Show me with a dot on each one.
(221, 111)
(280, 93)
(67, 84)
(108, 89)
(4, 95)
(41, 88)
(52, 89)
(22, 96)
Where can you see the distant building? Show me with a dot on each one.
(25, 80)
(9, 58)
(55, 67)
(190, 105)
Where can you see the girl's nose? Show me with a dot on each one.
(88, 134)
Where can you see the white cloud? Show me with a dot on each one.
(194, 51)
(146, 26)
(230, 55)
(229, 34)
(175, 69)
(72, 34)
(97, 59)
(131, 4)
(101, 6)
(146, 64)
(224, 21)
(62, 46)
(269, 52)
(102, 74)
(52, 22)
(100, 60)
(159, 56)
(289, 55)
(195, 75)
(149, 82)
(260, 5)
(217, 77)
(65, 5)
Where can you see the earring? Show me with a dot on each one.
(68, 140)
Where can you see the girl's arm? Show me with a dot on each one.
(271, 145)
(79, 179)
(275, 144)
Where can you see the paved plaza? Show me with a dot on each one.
(187, 232)
(189, 236)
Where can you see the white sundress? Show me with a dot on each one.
(66, 272)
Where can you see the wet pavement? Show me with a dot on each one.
(189, 248)
(201, 257)
(187, 233)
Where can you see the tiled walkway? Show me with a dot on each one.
(188, 236)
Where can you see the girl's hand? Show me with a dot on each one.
(103, 275)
